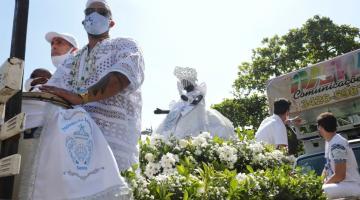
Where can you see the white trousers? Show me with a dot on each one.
(342, 189)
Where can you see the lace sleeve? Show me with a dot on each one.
(58, 78)
(129, 61)
(61, 75)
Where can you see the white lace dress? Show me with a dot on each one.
(186, 119)
(119, 117)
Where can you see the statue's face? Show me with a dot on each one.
(187, 85)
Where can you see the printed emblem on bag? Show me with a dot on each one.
(80, 144)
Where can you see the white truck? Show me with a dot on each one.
(331, 85)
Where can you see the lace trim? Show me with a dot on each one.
(104, 112)
(186, 73)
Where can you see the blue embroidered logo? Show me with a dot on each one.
(79, 145)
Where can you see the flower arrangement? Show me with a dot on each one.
(210, 168)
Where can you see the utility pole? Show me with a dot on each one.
(9, 146)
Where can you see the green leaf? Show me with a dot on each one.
(233, 184)
(250, 169)
(182, 170)
(134, 167)
(186, 195)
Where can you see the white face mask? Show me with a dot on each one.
(58, 60)
(96, 24)
(27, 85)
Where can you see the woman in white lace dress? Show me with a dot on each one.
(189, 116)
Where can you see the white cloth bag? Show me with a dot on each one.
(75, 161)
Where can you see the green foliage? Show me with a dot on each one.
(246, 111)
(245, 134)
(280, 183)
(318, 39)
(198, 168)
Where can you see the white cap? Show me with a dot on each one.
(89, 2)
(71, 39)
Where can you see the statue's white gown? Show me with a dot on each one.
(186, 119)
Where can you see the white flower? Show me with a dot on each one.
(198, 141)
(276, 154)
(176, 158)
(205, 135)
(183, 143)
(259, 158)
(161, 178)
(134, 184)
(197, 152)
(149, 157)
(146, 191)
(256, 147)
(151, 169)
(201, 190)
(227, 154)
(169, 171)
(156, 139)
(241, 176)
(168, 161)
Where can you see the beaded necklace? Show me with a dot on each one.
(78, 76)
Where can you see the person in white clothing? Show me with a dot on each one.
(272, 129)
(341, 173)
(62, 45)
(105, 78)
(82, 149)
(38, 77)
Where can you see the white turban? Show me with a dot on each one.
(89, 2)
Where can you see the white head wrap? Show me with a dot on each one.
(186, 73)
(89, 2)
(189, 74)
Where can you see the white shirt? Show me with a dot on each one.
(272, 130)
(119, 117)
(337, 150)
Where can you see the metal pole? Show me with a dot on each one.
(13, 106)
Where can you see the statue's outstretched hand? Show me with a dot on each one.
(159, 111)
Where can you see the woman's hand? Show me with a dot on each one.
(71, 97)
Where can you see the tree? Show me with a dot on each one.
(240, 110)
(317, 40)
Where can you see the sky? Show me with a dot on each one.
(212, 36)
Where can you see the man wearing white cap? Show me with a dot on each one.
(105, 79)
(62, 45)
